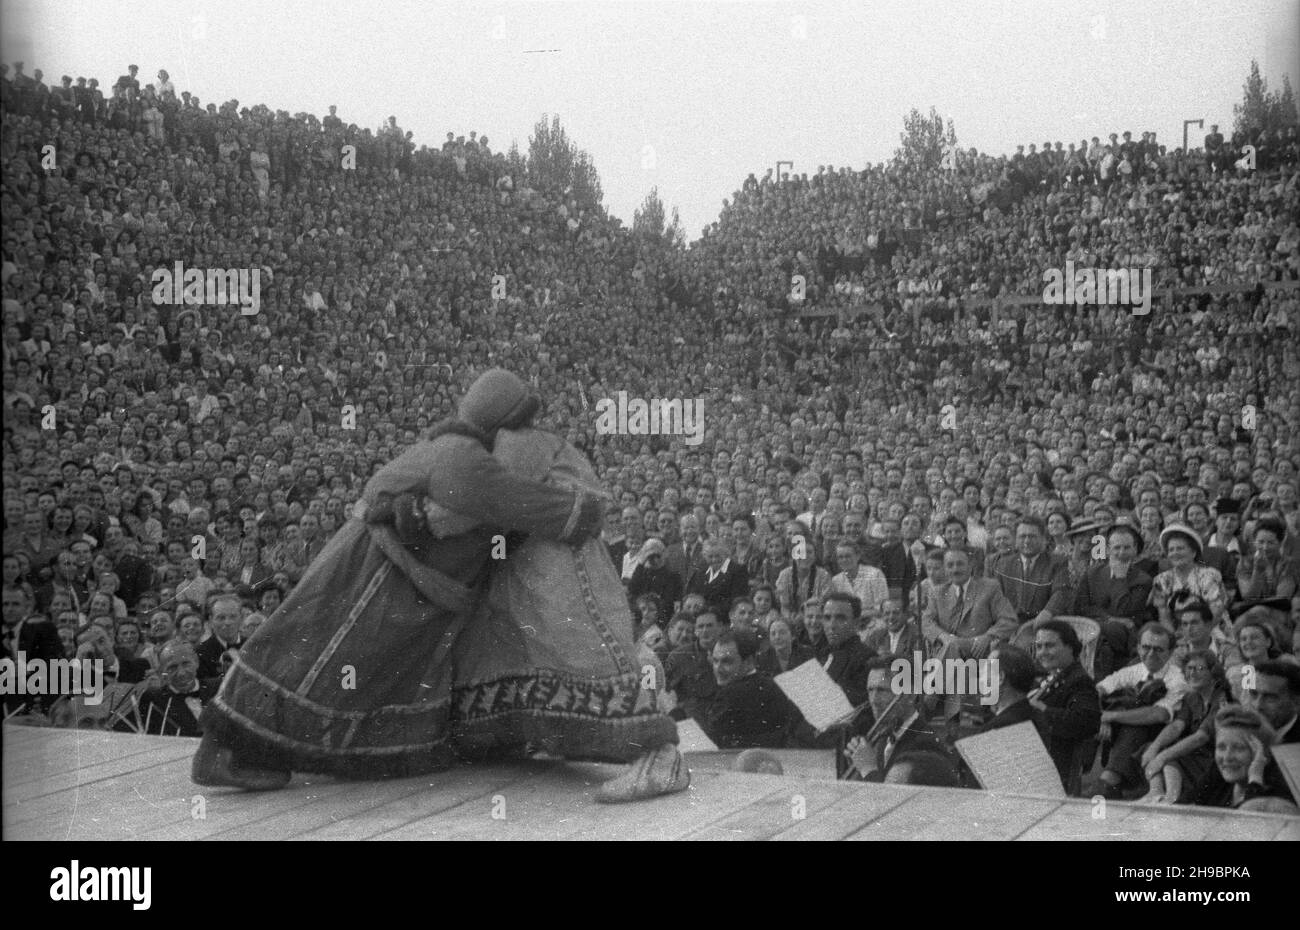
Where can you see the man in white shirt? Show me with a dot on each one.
(1130, 729)
(864, 582)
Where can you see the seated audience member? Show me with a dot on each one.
(648, 613)
(765, 610)
(1066, 707)
(1171, 777)
(720, 580)
(96, 643)
(963, 620)
(1254, 641)
(897, 637)
(250, 625)
(1194, 628)
(223, 635)
(1137, 702)
(652, 576)
(1182, 548)
(1034, 580)
(1115, 594)
(781, 653)
(1268, 572)
(802, 580)
(173, 708)
(688, 673)
(1276, 695)
(864, 582)
(1242, 761)
(680, 632)
(748, 710)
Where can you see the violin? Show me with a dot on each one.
(1049, 684)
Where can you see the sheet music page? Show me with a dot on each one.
(1012, 760)
(1288, 760)
(819, 699)
(692, 738)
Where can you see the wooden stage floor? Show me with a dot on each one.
(88, 785)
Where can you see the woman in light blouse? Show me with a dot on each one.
(1182, 547)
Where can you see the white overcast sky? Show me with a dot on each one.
(715, 89)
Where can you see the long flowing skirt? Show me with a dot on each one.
(549, 660)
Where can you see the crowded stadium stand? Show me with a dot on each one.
(872, 349)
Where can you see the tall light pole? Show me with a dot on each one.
(1187, 122)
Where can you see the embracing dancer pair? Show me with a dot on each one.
(406, 646)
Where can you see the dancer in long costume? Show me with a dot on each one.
(549, 658)
(351, 675)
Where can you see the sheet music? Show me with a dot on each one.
(1012, 760)
(819, 699)
(1288, 760)
(692, 738)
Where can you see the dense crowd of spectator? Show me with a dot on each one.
(887, 405)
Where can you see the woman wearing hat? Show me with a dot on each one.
(1182, 548)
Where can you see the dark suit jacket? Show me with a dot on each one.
(684, 563)
(896, 563)
(768, 664)
(908, 643)
(210, 652)
(1100, 596)
(136, 576)
(131, 671)
(37, 640)
(1069, 723)
(916, 738)
(664, 582)
(748, 712)
(1018, 712)
(165, 713)
(1046, 585)
(733, 582)
(689, 675)
(850, 663)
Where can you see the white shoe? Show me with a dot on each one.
(660, 771)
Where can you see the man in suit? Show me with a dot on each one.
(721, 581)
(34, 636)
(897, 639)
(96, 644)
(965, 618)
(896, 562)
(686, 555)
(173, 708)
(1115, 594)
(749, 710)
(224, 621)
(688, 671)
(1035, 581)
(624, 552)
(1276, 696)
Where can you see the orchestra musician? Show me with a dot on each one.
(1066, 708)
